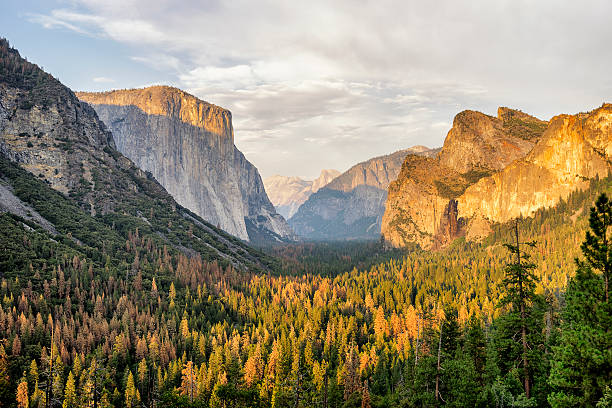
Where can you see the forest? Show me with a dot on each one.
(112, 316)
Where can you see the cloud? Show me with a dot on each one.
(336, 82)
(103, 80)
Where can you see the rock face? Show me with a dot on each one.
(573, 149)
(46, 130)
(351, 206)
(188, 146)
(50, 133)
(424, 204)
(288, 193)
(478, 142)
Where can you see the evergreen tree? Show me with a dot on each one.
(519, 285)
(70, 397)
(132, 396)
(22, 393)
(5, 381)
(582, 363)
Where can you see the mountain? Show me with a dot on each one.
(188, 146)
(574, 149)
(78, 187)
(492, 170)
(288, 193)
(351, 205)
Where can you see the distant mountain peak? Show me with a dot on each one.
(287, 193)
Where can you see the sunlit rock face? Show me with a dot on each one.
(351, 206)
(289, 193)
(573, 149)
(426, 204)
(188, 146)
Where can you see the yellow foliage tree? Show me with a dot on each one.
(22, 393)
(189, 384)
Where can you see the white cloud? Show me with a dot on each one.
(337, 82)
(103, 80)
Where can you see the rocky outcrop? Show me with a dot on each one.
(188, 146)
(574, 149)
(289, 193)
(420, 208)
(352, 205)
(424, 204)
(62, 143)
(479, 142)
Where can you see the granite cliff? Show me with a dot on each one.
(424, 204)
(351, 205)
(289, 193)
(46, 130)
(188, 146)
(574, 149)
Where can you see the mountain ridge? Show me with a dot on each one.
(287, 194)
(500, 168)
(59, 159)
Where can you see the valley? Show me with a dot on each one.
(146, 263)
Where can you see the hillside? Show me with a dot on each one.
(61, 142)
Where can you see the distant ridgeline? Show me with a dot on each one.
(351, 206)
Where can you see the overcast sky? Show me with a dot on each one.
(326, 84)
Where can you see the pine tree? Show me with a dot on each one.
(581, 367)
(519, 284)
(70, 397)
(132, 396)
(5, 381)
(22, 393)
(189, 385)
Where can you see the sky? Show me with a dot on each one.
(324, 84)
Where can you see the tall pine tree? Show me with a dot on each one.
(582, 363)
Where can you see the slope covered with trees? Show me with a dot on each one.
(146, 324)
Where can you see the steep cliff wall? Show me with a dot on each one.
(289, 193)
(46, 130)
(573, 149)
(424, 204)
(418, 204)
(188, 146)
(479, 142)
(351, 206)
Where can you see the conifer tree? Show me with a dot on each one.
(519, 284)
(70, 397)
(189, 385)
(581, 367)
(22, 393)
(132, 396)
(5, 381)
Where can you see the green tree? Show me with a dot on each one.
(519, 285)
(70, 397)
(132, 396)
(582, 361)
